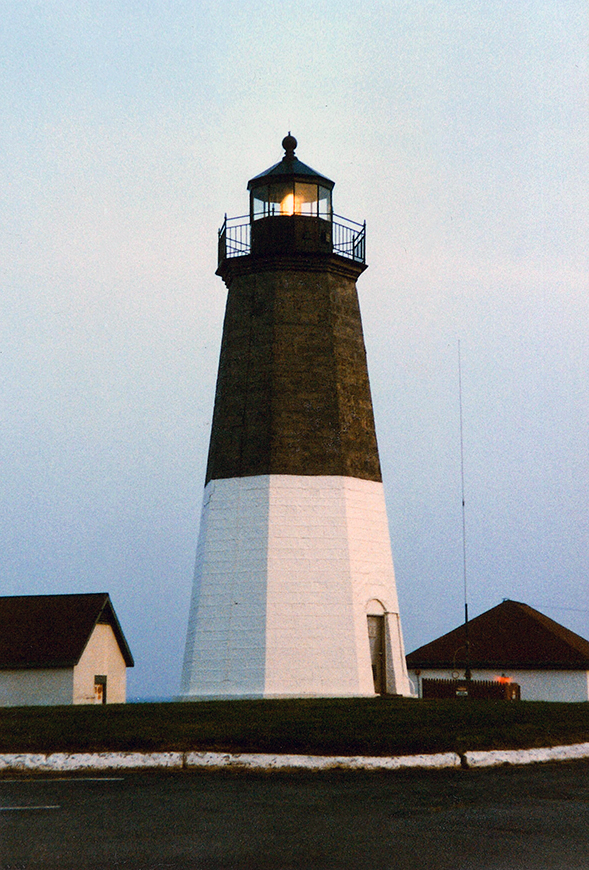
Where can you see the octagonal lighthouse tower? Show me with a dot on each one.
(294, 589)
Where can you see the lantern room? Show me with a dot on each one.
(290, 207)
(290, 212)
(290, 188)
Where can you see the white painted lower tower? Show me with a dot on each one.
(288, 571)
(294, 589)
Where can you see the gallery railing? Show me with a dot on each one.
(348, 238)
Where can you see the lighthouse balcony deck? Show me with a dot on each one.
(340, 236)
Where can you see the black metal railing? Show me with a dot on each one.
(234, 237)
(348, 238)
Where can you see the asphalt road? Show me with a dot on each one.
(531, 818)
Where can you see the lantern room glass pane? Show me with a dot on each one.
(288, 198)
(259, 203)
(280, 199)
(305, 198)
(324, 203)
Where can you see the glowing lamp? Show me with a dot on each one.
(287, 206)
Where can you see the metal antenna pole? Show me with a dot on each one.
(467, 673)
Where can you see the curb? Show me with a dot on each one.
(320, 762)
(526, 756)
(68, 762)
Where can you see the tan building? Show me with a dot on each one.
(511, 643)
(61, 649)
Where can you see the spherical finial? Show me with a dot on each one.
(289, 143)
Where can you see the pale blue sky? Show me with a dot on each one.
(457, 129)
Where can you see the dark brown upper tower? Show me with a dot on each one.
(293, 395)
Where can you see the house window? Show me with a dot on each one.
(100, 689)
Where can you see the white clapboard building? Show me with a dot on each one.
(511, 643)
(61, 649)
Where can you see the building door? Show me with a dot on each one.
(100, 689)
(377, 652)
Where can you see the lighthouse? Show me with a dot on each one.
(294, 589)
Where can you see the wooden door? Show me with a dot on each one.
(100, 689)
(377, 652)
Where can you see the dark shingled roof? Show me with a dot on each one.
(51, 631)
(289, 167)
(511, 635)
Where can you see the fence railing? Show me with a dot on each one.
(348, 238)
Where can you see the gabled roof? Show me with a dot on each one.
(511, 635)
(51, 631)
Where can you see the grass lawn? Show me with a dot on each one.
(360, 726)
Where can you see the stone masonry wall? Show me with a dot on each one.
(293, 395)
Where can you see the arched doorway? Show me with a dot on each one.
(377, 641)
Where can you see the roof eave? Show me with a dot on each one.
(287, 170)
(499, 665)
(38, 666)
